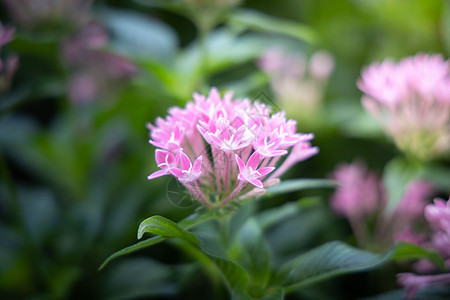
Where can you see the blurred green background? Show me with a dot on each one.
(73, 167)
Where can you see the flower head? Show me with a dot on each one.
(49, 14)
(296, 82)
(361, 198)
(95, 71)
(413, 283)
(411, 101)
(360, 193)
(10, 63)
(222, 149)
(438, 216)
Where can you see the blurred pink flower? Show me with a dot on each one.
(360, 193)
(361, 198)
(219, 134)
(411, 101)
(413, 283)
(298, 84)
(95, 71)
(438, 216)
(49, 14)
(8, 65)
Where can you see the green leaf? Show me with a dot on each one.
(161, 226)
(235, 275)
(250, 19)
(275, 293)
(336, 258)
(445, 24)
(138, 35)
(404, 251)
(294, 185)
(186, 223)
(254, 253)
(270, 217)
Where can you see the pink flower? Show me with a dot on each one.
(250, 172)
(411, 101)
(166, 161)
(6, 34)
(96, 72)
(36, 15)
(360, 193)
(297, 83)
(438, 215)
(360, 197)
(413, 283)
(218, 134)
(9, 65)
(188, 172)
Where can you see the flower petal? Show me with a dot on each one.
(185, 161)
(240, 163)
(253, 161)
(265, 171)
(256, 183)
(157, 174)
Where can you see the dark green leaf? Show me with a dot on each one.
(254, 253)
(187, 223)
(164, 227)
(275, 293)
(336, 258)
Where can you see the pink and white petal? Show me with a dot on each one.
(256, 182)
(265, 171)
(217, 141)
(214, 95)
(278, 153)
(185, 161)
(253, 161)
(177, 172)
(197, 165)
(160, 156)
(240, 164)
(157, 174)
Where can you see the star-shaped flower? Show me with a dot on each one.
(250, 172)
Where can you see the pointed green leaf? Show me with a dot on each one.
(336, 258)
(235, 275)
(186, 223)
(294, 185)
(250, 19)
(161, 226)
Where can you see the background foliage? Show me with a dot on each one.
(73, 185)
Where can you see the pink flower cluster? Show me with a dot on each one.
(361, 198)
(9, 65)
(38, 15)
(411, 101)
(221, 149)
(298, 83)
(96, 72)
(438, 217)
